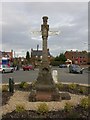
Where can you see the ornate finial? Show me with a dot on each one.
(45, 18)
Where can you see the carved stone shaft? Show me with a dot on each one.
(45, 87)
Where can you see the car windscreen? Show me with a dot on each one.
(77, 66)
(5, 66)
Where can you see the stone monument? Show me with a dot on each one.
(44, 88)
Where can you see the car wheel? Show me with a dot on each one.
(3, 71)
(12, 70)
(81, 72)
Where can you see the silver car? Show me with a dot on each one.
(6, 68)
(75, 69)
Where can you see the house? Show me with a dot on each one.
(6, 57)
(36, 57)
(78, 57)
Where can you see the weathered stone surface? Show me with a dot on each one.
(45, 89)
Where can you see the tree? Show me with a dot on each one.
(62, 57)
(15, 62)
(28, 56)
(59, 60)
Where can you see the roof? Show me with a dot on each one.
(7, 54)
(77, 53)
(80, 52)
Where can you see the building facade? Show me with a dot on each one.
(6, 57)
(36, 57)
(77, 57)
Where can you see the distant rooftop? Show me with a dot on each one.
(38, 52)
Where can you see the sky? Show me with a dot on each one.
(19, 19)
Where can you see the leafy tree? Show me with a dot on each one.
(28, 56)
(15, 62)
(61, 58)
(58, 60)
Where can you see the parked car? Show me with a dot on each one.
(6, 68)
(28, 67)
(75, 69)
(62, 66)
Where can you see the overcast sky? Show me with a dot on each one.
(19, 19)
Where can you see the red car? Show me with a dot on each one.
(28, 67)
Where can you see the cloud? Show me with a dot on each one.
(21, 18)
(37, 38)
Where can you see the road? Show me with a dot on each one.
(29, 76)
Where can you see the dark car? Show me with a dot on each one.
(62, 66)
(28, 67)
(75, 69)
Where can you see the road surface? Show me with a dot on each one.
(29, 76)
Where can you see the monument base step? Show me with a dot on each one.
(44, 96)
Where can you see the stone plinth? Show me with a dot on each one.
(45, 89)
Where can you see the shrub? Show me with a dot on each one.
(72, 86)
(4, 88)
(85, 103)
(68, 107)
(33, 83)
(82, 90)
(20, 108)
(73, 116)
(59, 86)
(43, 108)
(23, 84)
(55, 63)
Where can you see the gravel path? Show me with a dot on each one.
(20, 97)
